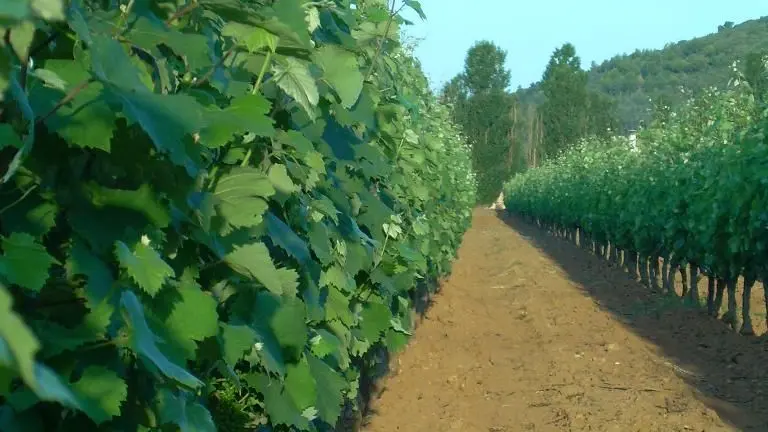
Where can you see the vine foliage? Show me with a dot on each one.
(692, 191)
(212, 210)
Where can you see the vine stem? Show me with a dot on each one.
(24, 195)
(262, 72)
(210, 73)
(380, 47)
(181, 12)
(68, 98)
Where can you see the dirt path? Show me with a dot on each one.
(532, 334)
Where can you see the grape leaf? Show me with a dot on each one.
(194, 316)
(167, 119)
(51, 10)
(375, 319)
(289, 324)
(268, 353)
(86, 121)
(143, 342)
(241, 194)
(278, 175)
(283, 236)
(33, 215)
(8, 137)
(277, 403)
(250, 37)
(83, 261)
(284, 317)
(46, 384)
(300, 384)
(341, 71)
(337, 307)
(236, 340)
(318, 239)
(416, 6)
(289, 279)
(144, 265)
(248, 113)
(293, 76)
(335, 276)
(330, 389)
(183, 411)
(25, 262)
(21, 342)
(253, 261)
(101, 392)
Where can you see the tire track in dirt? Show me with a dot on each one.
(513, 343)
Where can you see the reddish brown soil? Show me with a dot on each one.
(531, 333)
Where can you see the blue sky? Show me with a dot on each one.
(530, 30)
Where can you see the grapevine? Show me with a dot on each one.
(211, 207)
(691, 193)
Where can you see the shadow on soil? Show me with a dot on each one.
(729, 372)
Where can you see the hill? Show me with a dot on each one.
(634, 80)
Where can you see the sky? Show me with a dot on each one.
(531, 30)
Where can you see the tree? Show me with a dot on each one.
(564, 84)
(483, 107)
(454, 93)
(484, 69)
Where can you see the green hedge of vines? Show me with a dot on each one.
(693, 191)
(212, 210)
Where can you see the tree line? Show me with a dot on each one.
(509, 134)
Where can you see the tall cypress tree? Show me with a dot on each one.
(482, 106)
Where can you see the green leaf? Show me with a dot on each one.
(25, 262)
(143, 200)
(33, 215)
(167, 119)
(277, 403)
(101, 392)
(236, 341)
(330, 389)
(341, 71)
(375, 319)
(183, 411)
(8, 137)
(337, 307)
(318, 239)
(49, 10)
(241, 196)
(19, 339)
(300, 384)
(83, 261)
(337, 277)
(248, 113)
(278, 175)
(86, 121)
(416, 6)
(282, 235)
(253, 261)
(295, 79)
(284, 317)
(15, 10)
(194, 316)
(144, 265)
(143, 342)
(251, 37)
(289, 324)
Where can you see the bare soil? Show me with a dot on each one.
(531, 333)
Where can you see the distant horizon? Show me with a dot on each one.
(442, 47)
